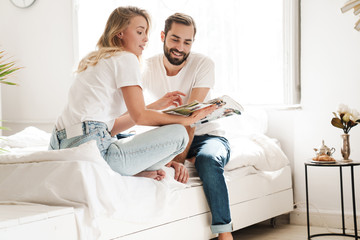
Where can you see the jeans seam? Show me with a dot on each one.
(152, 147)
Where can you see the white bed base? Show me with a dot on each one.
(34, 221)
(253, 199)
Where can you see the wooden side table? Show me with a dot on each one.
(339, 165)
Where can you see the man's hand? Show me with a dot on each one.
(181, 172)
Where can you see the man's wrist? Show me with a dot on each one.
(180, 158)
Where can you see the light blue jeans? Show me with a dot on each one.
(146, 151)
(212, 153)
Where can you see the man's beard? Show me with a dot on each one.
(174, 61)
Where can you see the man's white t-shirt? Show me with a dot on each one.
(198, 72)
(95, 94)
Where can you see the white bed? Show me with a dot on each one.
(110, 206)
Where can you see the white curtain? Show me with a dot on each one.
(244, 38)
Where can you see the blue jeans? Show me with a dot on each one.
(148, 151)
(212, 154)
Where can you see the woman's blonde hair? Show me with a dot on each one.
(109, 43)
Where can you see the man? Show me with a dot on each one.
(178, 69)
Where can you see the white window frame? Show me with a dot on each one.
(292, 93)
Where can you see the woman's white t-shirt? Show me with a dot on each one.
(95, 94)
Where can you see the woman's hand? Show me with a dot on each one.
(200, 114)
(169, 99)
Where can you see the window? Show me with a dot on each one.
(254, 44)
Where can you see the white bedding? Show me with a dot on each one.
(80, 178)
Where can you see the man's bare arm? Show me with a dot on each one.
(182, 156)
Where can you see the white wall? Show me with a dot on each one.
(41, 39)
(330, 74)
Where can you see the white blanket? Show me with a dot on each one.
(80, 178)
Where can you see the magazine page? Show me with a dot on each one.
(187, 109)
(228, 108)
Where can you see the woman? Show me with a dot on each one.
(106, 98)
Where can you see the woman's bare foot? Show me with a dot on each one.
(156, 175)
(225, 236)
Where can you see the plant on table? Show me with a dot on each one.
(345, 118)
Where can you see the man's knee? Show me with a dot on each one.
(207, 165)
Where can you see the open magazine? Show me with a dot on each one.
(228, 107)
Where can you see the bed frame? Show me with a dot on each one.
(253, 199)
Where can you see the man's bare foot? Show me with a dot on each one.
(225, 236)
(156, 175)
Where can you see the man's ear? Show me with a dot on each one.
(162, 36)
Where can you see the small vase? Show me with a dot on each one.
(345, 150)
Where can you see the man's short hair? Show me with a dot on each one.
(180, 18)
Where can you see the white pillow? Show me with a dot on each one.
(85, 152)
(244, 152)
(256, 150)
(275, 157)
(29, 137)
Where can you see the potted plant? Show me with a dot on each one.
(7, 68)
(345, 118)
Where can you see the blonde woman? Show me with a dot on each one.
(106, 98)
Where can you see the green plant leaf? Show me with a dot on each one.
(336, 122)
(6, 65)
(7, 83)
(7, 72)
(3, 150)
(6, 69)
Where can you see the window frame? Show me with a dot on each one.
(292, 84)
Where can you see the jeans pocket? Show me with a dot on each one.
(54, 141)
(99, 134)
(103, 140)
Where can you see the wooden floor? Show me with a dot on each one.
(283, 232)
